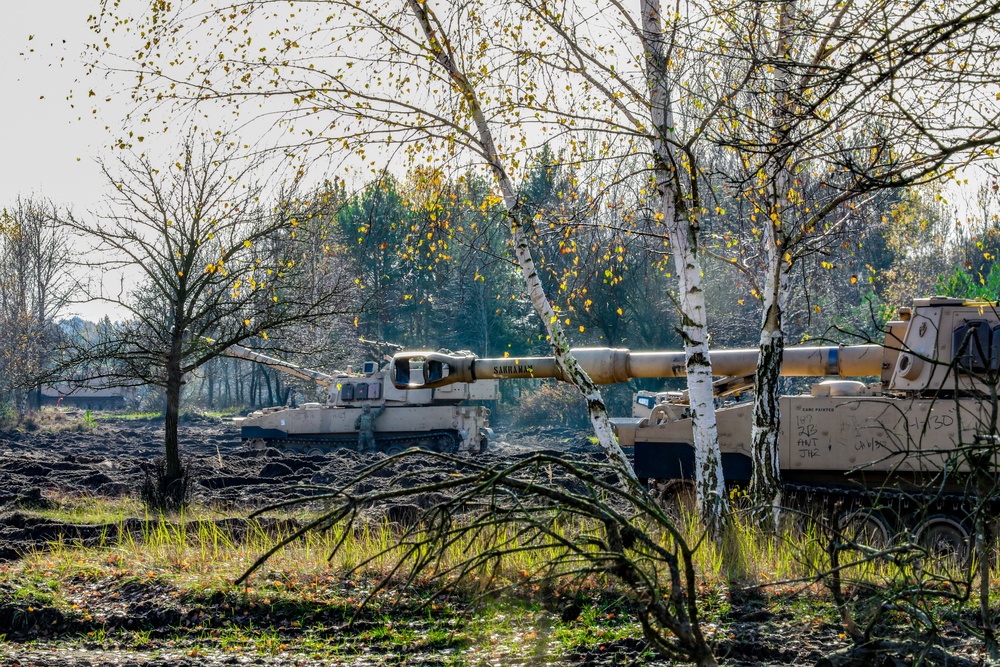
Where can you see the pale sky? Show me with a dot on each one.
(47, 151)
(49, 148)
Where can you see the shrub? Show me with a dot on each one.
(553, 403)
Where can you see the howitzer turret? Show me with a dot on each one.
(428, 418)
(926, 400)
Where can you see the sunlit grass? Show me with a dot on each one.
(84, 508)
(130, 416)
(194, 546)
(195, 555)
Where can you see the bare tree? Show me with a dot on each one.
(209, 265)
(576, 515)
(34, 285)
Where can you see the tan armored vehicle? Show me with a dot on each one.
(430, 418)
(925, 396)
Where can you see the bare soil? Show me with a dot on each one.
(180, 628)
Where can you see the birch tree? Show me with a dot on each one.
(635, 82)
(680, 208)
(360, 77)
(843, 101)
(438, 45)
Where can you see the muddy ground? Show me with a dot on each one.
(114, 458)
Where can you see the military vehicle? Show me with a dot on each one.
(428, 418)
(927, 401)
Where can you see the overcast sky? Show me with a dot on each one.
(47, 151)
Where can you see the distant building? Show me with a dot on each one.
(90, 398)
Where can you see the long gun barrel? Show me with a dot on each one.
(607, 365)
(319, 378)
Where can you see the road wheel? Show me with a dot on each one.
(316, 451)
(945, 538)
(394, 449)
(866, 527)
(447, 444)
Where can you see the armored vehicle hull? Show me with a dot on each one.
(316, 428)
(433, 419)
(823, 439)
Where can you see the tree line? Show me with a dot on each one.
(429, 267)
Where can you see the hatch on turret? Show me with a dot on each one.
(970, 345)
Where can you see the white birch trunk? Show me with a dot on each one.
(765, 483)
(682, 232)
(710, 482)
(557, 336)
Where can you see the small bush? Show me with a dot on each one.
(553, 403)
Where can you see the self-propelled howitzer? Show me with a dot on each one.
(926, 398)
(429, 418)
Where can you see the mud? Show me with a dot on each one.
(38, 469)
(113, 459)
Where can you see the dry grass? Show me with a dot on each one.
(207, 555)
(57, 420)
(205, 560)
